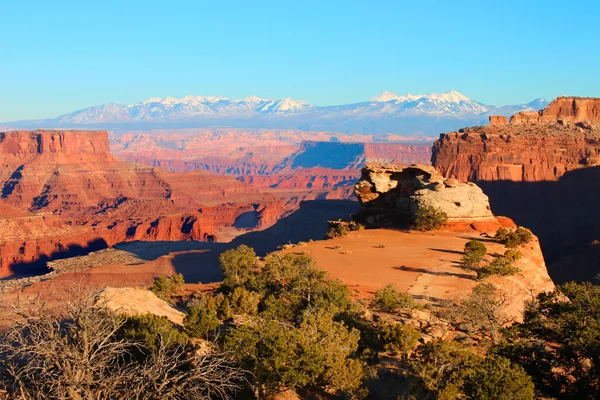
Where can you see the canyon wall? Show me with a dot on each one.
(63, 193)
(563, 110)
(541, 169)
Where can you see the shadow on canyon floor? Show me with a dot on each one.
(565, 215)
(40, 266)
(199, 261)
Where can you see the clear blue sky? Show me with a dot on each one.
(60, 56)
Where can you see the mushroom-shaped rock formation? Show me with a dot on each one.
(393, 193)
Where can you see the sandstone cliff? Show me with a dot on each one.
(541, 169)
(563, 110)
(64, 193)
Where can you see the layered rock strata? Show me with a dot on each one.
(63, 193)
(542, 170)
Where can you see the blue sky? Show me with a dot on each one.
(60, 56)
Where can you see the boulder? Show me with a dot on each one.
(132, 301)
(392, 190)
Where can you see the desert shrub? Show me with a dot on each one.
(398, 338)
(501, 234)
(500, 265)
(318, 353)
(389, 299)
(243, 301)
(237, 266)
(201, 321)
(337, 229)
(558, 342)
(281, 309)
(79, 350)
(448, 370)
(495, 378)
(152, 331)
(440, 366)
(428, 218)
(481, 312)
(166, 287)
(514, 239)
(474, 253)
(512, 255)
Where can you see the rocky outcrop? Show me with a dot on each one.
(389, 189)
(21, 143)
(498, 120)
(562, 110)
(135, 301)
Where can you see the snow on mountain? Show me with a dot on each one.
(285, 106)
(450, 103)
(387, 112)
(391, 96)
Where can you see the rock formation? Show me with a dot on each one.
(392, 190)
(563, 110)
(541, 169)
(535, 146)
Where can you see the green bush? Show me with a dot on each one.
(389, 299)
(501, 265)
(337, 229)
(428, 218)
(237, 266)
(152, 332)
(244, 302)
(440, 365)
(318, 353)
(201, 321)
(512, 255)
(474, 253)
(514, 239)
(495, 378)
(398, 338)
(559, 340)
(166, 287)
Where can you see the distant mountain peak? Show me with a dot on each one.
(387, 112)
(452, 97)
(391, 96)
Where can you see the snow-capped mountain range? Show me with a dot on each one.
(384, 113)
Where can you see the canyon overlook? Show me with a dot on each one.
(542, 170)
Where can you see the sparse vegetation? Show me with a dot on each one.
(474, 253)
(481, 312)
(337, 229)
(398, 338)
(83, 351)
(291, 327)
(514, 239)
(389, 299)
(165, 287)
(429, 218)
(500, 265)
